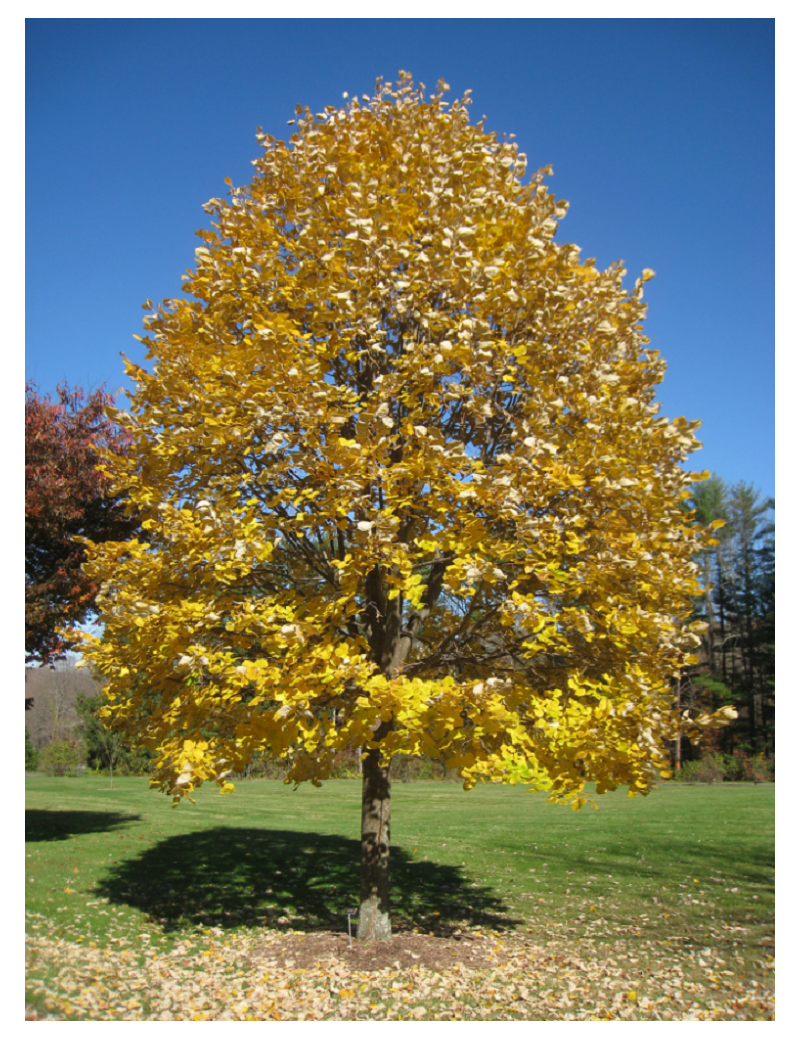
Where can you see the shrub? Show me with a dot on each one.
(714, 767)
(406, 768)
(735, 768)
(263, 768)
(62, 757)
(706, 770)
(345, 765)
(760, 770)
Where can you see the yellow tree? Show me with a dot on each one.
(402, 484)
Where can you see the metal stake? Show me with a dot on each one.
(350, 911)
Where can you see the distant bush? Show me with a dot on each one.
(406, 768)
(706, 770)
(62, 757)
(760, 769)
(717, 768)
(31, 754)
(345, 767)
(134, 762)
(123, 766)
(264, 768)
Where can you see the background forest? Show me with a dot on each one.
(737, 657)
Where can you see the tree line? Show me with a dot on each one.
(64, 731)
(736, 661)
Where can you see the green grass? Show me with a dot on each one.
(689, 868)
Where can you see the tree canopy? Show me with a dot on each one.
(402, 479)
(65, 496)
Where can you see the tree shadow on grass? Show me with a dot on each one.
(228, 877)
(59, 824)
(664, 860)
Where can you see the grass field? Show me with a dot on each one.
(673, 894)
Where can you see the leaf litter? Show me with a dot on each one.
(461, 975)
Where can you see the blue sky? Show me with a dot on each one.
(660, 134)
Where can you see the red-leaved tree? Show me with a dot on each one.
(65, 495)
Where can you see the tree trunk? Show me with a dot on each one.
(374, 921)
(721, 600)
(390, 642)
(748, 618)
(709, 612)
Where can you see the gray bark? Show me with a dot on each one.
(374, 921)
(390, 642)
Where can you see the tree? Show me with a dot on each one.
(738, 602)
(764, 643)
(106, 747)
(402, 484)
(745, 512)
(709, 502)
(103, 745)
(65, 496)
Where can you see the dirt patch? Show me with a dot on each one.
(403, 950)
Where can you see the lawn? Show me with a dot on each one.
(657, 907)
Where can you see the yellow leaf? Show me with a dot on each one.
(357, 487)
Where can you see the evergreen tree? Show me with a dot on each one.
(738, 602)
(106, 748)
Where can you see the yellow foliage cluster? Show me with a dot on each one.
(399, 462)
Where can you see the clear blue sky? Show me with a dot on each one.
(660, 134)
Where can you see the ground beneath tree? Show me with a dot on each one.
(467, 975)
(403, 950)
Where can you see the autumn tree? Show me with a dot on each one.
(402, 481)
(65, 496)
